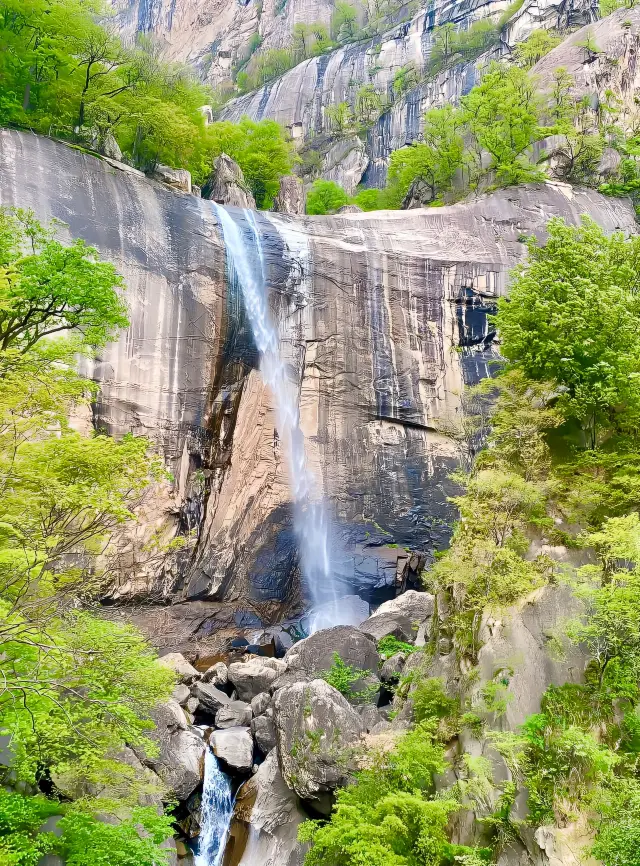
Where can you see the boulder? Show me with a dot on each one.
(370, 715)
(418, 606)
(176, 178)
(233, 746)
(316, 653)
(264, 733)
(391, 670)
(51, 860)
(394, 624)
(210, 698)
(234, 714)
(349, 208)
(255, 676)
(316, 728)
(217, 674)
(181, 751)
(288, 679)
(261, 703)
(290, 198)
(178, 663)
(181, 694)
(265, 820)
(192, 705)
(226, 184)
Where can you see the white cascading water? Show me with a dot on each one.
(216, 812)
(246, 267)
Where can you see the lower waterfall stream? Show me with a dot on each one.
(216, 812)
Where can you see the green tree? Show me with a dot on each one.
(368, 104)
(389, 817)
(572, 319)
(309, 40)
(344, 21)
(325, 197)
(339, 116)
(74, 686)
(535, 46)
(502, 114)
(49, 288)
(405, 79)
(435, 161)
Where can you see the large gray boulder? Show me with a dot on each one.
(180, 762)
(234, 714)
(260, 703)
(315, 654)
(226, 184)
(418, 606)
(267, 815)
(401, 617)
(389, 625)
(217, 674)
(210, 698)
(252, 677)
(233, 746)
(316, 729)
(290, 198)
(176, 178)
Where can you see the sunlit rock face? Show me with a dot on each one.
(212, 35)
(298, 100)
(382, 320)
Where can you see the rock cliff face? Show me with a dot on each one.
(298, 100)
(213, 34)
(382, 319)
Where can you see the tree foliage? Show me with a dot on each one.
(325, 197)
(64, 72)
(75, 686)
(572, 318)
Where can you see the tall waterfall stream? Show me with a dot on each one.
(246, 268)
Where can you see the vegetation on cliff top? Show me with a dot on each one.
(75, 687)
(66, 74)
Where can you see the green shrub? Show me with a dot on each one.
(390, 645)
(342, 677)
(325, 197)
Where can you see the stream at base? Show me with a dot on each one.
(217, 809)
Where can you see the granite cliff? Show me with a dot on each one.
(382, 320)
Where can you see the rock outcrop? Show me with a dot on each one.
(389, 316)
(226, 184)
(291, 196)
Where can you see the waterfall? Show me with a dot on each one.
(246, 268)
(217, 809)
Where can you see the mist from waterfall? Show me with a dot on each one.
(246, 268)
(215, 815)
